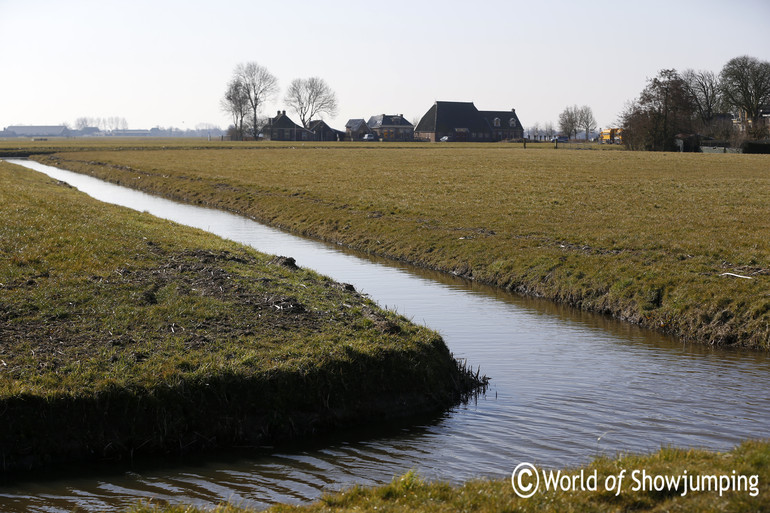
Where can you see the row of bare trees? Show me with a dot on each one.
(537, 132)
(571, 121)
(574, 119)
(699, 102)
(105, 124)
(252, 86)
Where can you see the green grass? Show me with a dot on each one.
(123, 334)
(410, 493)
(645, 237)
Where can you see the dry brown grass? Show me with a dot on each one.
(643, 236)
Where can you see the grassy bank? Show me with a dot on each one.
(751, 461)
(652, 238)
(122, 334)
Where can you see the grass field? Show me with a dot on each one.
(645, 237)
(751, 461)
(122, 334)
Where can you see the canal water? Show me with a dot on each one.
(566, 386)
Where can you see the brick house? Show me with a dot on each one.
(391, 127)
(356, 129)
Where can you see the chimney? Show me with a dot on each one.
(278, 114)
(283, 112)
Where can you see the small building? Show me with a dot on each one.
(356, 129)
(88, 131)
(391, 127)
(282, 128)
(687, 142)
(462, 121)
(323, 132)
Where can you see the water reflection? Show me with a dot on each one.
(566, 386)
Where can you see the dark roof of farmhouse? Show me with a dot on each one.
(355, 124)
(388, 120)
(319, 124)
(446, 116)
(281, 120)
(508, 118)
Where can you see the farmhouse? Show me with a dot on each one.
(323, 132)
(356, 129)
(281, 128)
(462, 121)
(391, 127)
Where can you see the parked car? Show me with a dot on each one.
(560, 138)
(370, 137)
(444, 139)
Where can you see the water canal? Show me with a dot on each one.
(566, 386)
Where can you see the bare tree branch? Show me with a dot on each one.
(311, 97)
(260, 86)
(236, 103)
(569, 120)
(703, 86)
(586, 120)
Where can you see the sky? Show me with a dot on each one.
(167, 62)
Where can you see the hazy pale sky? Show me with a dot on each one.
(167, 62)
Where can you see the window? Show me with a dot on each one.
(512, 122)
(497, 122)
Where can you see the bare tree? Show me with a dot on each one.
(236, 103)
(534, 131)
(549, 130)
(745, 85)
(310, 97)
(115, 123)
(586, 120)
(260, 86)
(703, 86)
(569, 120)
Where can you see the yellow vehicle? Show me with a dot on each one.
(611, 136)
